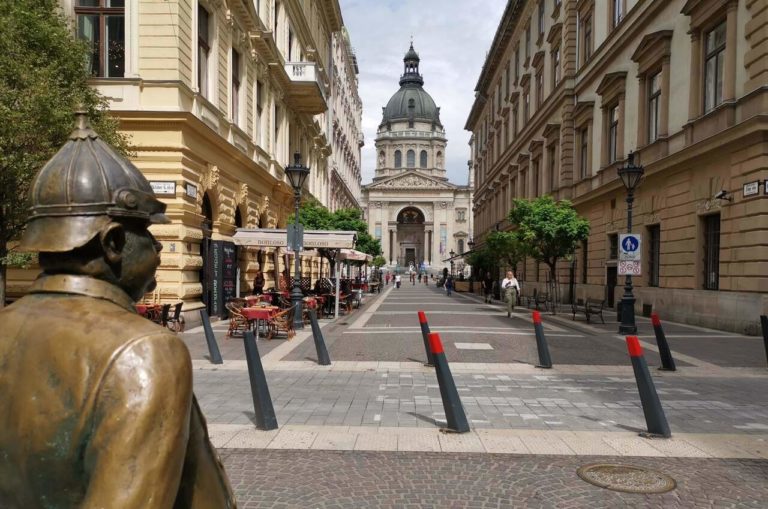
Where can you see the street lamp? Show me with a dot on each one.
(297, 174)
(452, 254)
(630, 176)
(471, 244)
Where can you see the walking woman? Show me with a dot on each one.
(488, 287)
(511, 288)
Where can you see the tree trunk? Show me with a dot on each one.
(553, 291)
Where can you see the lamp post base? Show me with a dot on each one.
(297, 300)
(628, 326)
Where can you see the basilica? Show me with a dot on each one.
(420, 217)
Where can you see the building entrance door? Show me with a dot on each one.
(610, 284)
(410, 237)
(410, 257)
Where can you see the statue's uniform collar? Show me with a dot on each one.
(83, 285)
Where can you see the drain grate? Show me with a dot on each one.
(626, 478)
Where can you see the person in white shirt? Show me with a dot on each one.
(511, 288)
(397, 280)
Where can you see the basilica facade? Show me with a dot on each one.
(419, 216)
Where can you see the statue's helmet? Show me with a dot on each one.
(81, 189)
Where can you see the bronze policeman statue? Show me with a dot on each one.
(96, 403)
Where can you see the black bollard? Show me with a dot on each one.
(655, 419)
(764, 325)
(262, 402)
(667, 362)
(213, 348)
(454, 411)
(322, 352)
(425, 336)
(541, 343)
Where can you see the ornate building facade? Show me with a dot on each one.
(347, 137)
(419, 216)
(570, 87)
(217, 95)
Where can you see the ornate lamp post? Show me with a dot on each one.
(297, 174)
(471, 244)
(630, 176)
(452, 253)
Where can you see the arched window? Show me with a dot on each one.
(461, 245)
(439, 160)
(411, 159)
(423, 159)
(398, 159)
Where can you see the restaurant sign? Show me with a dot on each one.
(163, 187)
(313, 239)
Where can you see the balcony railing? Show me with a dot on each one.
(306, 91)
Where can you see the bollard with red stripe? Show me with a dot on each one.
(454, 412)
(541, 342)
(655, 419)
(667, 362)
(425, 336)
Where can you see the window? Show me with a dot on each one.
(584, 260)
(277, 11)
(555, 67)
(539, 89)
(203, 50)
(398, 159)
(552, 166)
(101, 23)
(259, 98)
(617, 12)
(713, 67)
(583, 151)
(654, 254)
(536, 178)
(712, 252)
(514, 120)
(506, 82)
(517, 64)
(541, 18)
(235, 87)
(290, 45)
(654, 103)
(461, 246)
(613, 132)
(613, 246)
(410, 158)
(527, 42)
(586, 39)
(423, 159)
(526, 105)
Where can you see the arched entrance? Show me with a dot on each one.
(410, 237)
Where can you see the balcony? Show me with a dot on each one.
(305, 92)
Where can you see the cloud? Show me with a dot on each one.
(451, 37)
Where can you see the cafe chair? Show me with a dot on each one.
(237, 322)
(282, 322)
(176, 322)
(162, 317)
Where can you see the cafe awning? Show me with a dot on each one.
(353, 255)
(313, 239)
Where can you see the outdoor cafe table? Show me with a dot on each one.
(145, 309)
(259, 313)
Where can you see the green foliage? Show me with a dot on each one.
(316, 217)
(379, 261)
(547, 230)
(43, 80)
(482, 260)
(505, 247)
(19, 259)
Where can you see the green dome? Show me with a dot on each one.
(424, 108)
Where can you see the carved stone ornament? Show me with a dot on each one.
(209, 179)
(242, 195)
(410, 182)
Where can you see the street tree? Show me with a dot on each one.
(506, 248)
(547, 230)
(313, 216)
(43, 80)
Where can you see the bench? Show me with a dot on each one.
(590, 307)
(536, 299)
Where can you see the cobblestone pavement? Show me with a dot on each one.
(378, 405)
(332, 479)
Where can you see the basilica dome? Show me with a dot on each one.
(411, 102)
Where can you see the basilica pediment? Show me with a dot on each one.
(411, 180)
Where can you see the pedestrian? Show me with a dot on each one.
(448, 285)
(413, 279)
(397, 281)
(426, 279)
(258, 283)
(511, 288)
(386, 278)
(488, 286)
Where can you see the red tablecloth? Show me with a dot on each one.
(259, 313)
(311, 303)
(142, 309)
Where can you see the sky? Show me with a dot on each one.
(451, 37)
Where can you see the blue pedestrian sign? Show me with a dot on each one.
(629, 247)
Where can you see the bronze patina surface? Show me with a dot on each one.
(97, 409)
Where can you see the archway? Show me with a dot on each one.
(410, 237)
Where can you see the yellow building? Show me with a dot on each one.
(217, 95)
(570, 87)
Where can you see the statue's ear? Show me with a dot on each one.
(112, 239)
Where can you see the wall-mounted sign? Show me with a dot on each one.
(163, 187)
(191, 190)
(751, 188)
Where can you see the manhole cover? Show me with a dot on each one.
(626, 478)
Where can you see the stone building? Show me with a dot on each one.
(419, 216)
(217, 95)
(570, 87)
(347, 135)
